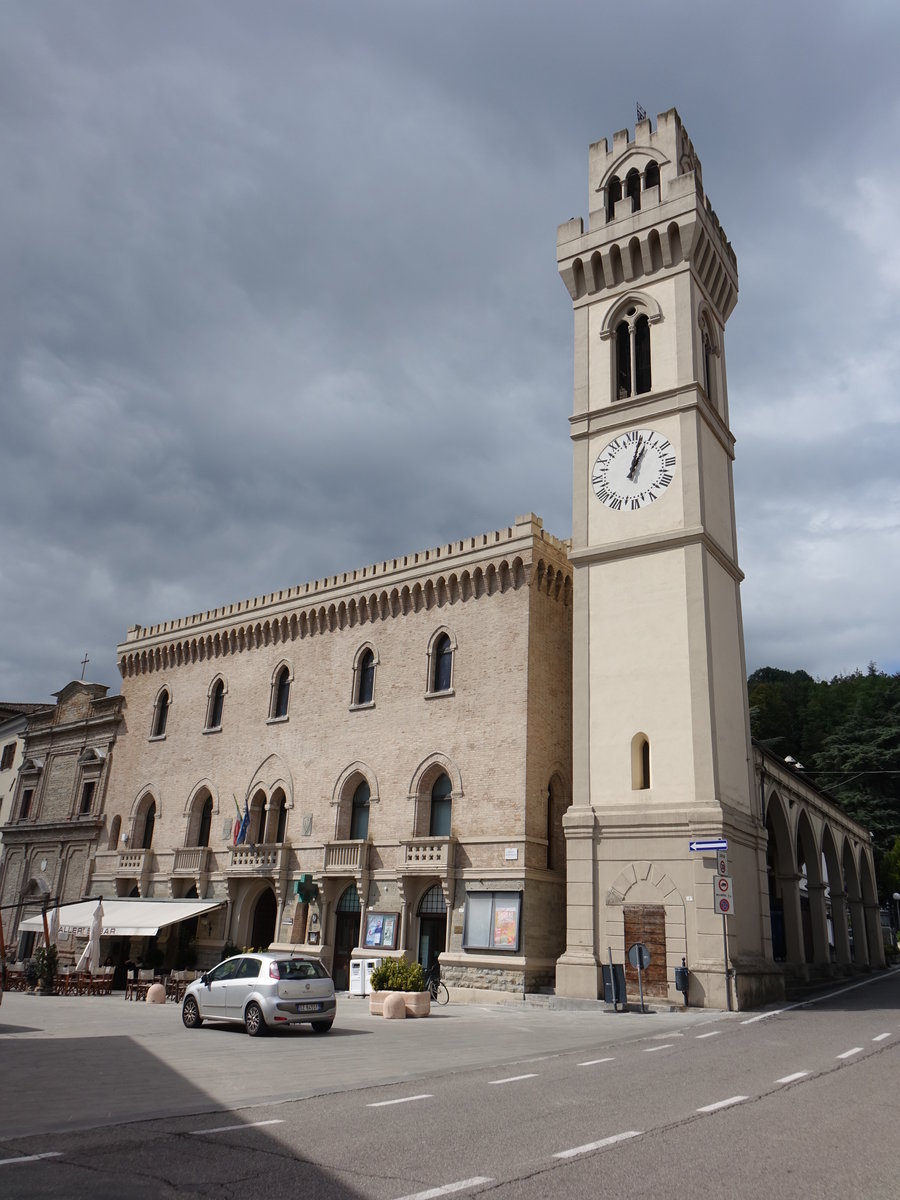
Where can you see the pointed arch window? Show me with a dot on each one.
(281, 695)
(440, 665)
(216, 706)
(440, 820)
(651, 175)
(359, 813)
(160, 715)
(364, 679)
(148, 825)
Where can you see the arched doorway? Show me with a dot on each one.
(262, 931)
(346, 936)
(432, 926)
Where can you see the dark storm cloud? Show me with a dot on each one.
(278, 297)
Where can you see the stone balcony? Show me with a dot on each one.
(191, 860)
(345, 858)
(135, 862)
(428, 855)
(271, 859)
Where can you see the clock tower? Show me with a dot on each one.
(661, 738)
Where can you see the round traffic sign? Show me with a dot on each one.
(724, 905)
(723, 883)
(639, 956)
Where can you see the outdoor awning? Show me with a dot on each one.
(134, 918)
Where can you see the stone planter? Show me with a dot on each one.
(418, 1004)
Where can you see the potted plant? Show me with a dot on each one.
(398, 975)
(46, 964)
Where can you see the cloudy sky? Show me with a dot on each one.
(278, 296)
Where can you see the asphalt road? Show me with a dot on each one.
(506, 1102)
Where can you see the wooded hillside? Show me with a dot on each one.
(846, 734)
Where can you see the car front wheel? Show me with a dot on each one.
(190, 1014)
(254, 1020)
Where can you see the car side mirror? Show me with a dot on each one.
(204, 979)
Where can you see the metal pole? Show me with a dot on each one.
(727, 975)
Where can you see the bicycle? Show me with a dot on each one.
(438, 990)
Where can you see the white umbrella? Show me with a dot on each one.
(90, 955)
(53, 925)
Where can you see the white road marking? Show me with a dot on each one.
(650, 1049)
(610, 1141)
(449, 1188)
(592, 1062)
(513, 1078)
(850, 1053)
(776, 1012)
(722, 1103)
(5, 1162)
(402, 1100)
(228, 1128)
(881, 1037)
(715, 1033)
(791, 1078)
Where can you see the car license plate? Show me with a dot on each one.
(308, 1007)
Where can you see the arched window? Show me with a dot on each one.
(114, 830)
(205, 822)
(651, 175)
(613, 196)
(216, 705)
(160, 715)
(632, 351)
(641, 355)
(281, 693)
(257, 810)
(359, 813)
(441, 808)
(442, 664)
(149, 823)
(349, 901)
(276, 821)
(633, 188)
(623, 361)
(640, 762)
(365, 678)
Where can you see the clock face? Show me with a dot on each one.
(634, 469)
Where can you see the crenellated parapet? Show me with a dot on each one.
(521, 555)
(648, 215)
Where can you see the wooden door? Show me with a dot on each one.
(646, 923)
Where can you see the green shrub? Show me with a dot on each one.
(398, 975)
(46, 964)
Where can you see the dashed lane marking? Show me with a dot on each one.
(229, 1128)
(593, 1062)
(610, 1141)
(881, 1037)
(650, 1049)
(715, 1033)
(6, 1162)
(850, 1053)
(402, 1100)
(513, 1078)
(792, 1078)
(708, 1108)
(449, 1188)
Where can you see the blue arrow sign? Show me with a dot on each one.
(711, 844)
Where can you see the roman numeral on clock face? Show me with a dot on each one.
(633, 470)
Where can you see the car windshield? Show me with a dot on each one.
(300, 968)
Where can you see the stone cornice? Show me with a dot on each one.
(656, 542)
(522, 555)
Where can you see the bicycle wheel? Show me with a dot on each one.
(440, 994)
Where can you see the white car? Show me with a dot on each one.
(262, 991)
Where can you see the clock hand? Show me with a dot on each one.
(639, 453)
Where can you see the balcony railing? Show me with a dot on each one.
(269, 857)
(431, 853)
(343, 858)
(191, 860)
(134, 862)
